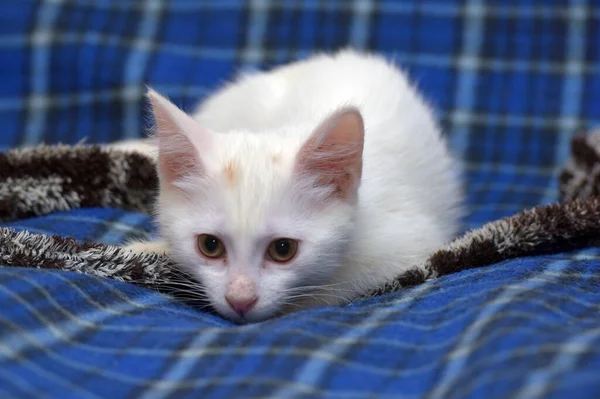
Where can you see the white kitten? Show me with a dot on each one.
(311, 183)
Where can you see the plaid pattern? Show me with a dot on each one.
(512, 81)
(526, 328)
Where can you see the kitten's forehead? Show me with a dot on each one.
(253, 172)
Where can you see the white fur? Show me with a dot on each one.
(409, 199)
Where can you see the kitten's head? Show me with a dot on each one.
(255, 216)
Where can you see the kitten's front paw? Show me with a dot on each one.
(156, 247)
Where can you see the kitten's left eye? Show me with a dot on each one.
(282, 250)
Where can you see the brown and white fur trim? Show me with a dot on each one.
(37, 181)
(580, 178)
(542, 230)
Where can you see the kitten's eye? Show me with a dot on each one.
(210, 246)
(282, 250)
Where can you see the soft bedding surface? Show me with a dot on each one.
(513, 83)
(518, 325)
(522, 328)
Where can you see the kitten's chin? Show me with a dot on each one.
(253, 316)
(256, 316)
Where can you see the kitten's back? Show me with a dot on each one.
(304, 92)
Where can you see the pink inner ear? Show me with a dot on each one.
(333, 153)
(177, 132)
(178, 159)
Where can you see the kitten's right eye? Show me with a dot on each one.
(210, 246)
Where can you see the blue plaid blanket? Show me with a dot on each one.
(513, 82)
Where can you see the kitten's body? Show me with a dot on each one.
(407, 205)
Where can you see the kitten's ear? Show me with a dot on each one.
(179, 137)
(333, 153)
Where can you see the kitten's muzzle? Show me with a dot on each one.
(241, 295)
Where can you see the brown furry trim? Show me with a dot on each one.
(580, 178)
(542, 230)
(45, 179)
(23, 249)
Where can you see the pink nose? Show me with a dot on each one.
(241, 305)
